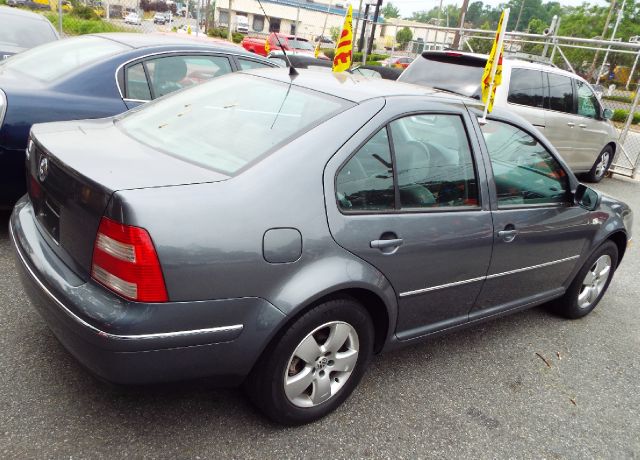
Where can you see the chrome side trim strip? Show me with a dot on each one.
(160, 335)
(442, 286)
(533, 267)
(488, 277)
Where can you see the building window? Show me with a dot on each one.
(274, 25)
(258, 23)
(223, 18)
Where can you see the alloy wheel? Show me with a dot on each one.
(321, 364)
(594, 281)
(601, 166)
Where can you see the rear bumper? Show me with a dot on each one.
(134, 343)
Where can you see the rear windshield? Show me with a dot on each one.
(299, 44)
(229, 122)
(56, 59)
(13, 32)
(451, 72)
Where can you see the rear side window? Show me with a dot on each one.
(365, 182)
(137, 86)
(525, 172)
(248, 64)
(560, 93)
(449, 71)
(526, 88)
(169, 74)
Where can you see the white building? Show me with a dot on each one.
(304, 18)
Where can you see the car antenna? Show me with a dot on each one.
(292, 70)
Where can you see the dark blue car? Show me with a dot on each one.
(97, 76)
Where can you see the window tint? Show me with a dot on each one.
(246, 64)
(168, 74)
(196, 124)
(526, 88)
(434, 163)
(136, 83)
(588, 105)
(560, 93)
(524, 171)
(365, 182)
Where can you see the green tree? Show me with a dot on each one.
(334, 33)
(390, 11)
(404, 36)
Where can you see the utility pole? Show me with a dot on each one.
(373, 26)
(603, 37)
(463, 13)
(613, 35)
(230, 34)
(295, 35)
(364, 27)
(439, 13)
(519, 15)
(355, 31)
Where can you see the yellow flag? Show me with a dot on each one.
(486, 76)
(316, 52)
(267, 48)
(342, 59)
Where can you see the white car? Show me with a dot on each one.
(133, 18)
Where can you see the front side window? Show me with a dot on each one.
(171, 73)
(588, 105)
(526, 88)
(365, 182)
(198, 124)
(525, 172)
(560, 93)
(434, 162)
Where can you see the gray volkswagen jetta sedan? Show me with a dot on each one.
(279, 231)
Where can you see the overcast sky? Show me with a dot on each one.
(409, 6)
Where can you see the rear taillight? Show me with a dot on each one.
(125, 261)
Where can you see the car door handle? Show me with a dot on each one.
(384, 244)
(570, 123)
(582, 125)
(508, 235)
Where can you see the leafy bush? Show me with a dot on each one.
(220, 32)
(329, 53)
(237, 37)
(621, 115)
(83, 12)
(618, 98)
(72, 25)
(357, 56)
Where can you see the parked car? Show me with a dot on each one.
(160, 18)
(308, 62)
(22, 30)
(96, 76)
(254, 229)
(241, 24)
(325, 42)
(133, 19)
(560, 104)
(291, 44)
(399, 62)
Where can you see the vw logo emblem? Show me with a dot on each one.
(43, 169)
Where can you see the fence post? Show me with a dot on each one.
(60, 17)
(633, 69)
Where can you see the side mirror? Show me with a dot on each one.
(586, 197)
(607, 114)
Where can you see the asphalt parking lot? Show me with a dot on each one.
(479, 393)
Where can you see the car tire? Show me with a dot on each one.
(317, 336)
(590, 284)
(601, 166)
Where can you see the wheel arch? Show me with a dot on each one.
(620, 239)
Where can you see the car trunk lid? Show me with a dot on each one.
(71, 177)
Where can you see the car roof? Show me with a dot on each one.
(354, 88)
(8, 11)
(137, 41)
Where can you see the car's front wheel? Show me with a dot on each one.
(315, 365)
(601, 166)
(590, 283)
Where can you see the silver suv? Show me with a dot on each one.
(560, 104)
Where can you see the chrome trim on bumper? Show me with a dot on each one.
(73, 316)
(488, 277)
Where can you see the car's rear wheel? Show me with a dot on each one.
(601, 166)
(315, 365)
(590, 283)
